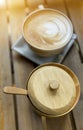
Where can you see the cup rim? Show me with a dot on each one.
(44, 49)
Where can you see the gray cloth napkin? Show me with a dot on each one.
(22, 48)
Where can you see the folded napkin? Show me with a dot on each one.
(22, 48)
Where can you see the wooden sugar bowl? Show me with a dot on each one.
(52, 88)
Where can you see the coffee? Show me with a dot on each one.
(47, 29)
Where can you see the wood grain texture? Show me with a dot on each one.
(15, 4)
(7, 113)
(53, 2)
(78, 115)
(60, 123)
(32, 4)
(57, 4)
(27, 119)
(74, 63)
(75, 8)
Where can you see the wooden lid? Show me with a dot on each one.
(52, 89)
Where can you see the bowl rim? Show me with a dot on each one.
(77, 89)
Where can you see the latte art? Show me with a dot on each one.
(47, 29)
(51, 31)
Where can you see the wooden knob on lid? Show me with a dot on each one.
(54, 85)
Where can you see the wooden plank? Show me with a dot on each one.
(78, 115)
(58, 4)
(60, 123)
(75, 8)
(7, 113)
(32, 4)
(27, 119)
(73, 62)
(13, 4)
(53, 2)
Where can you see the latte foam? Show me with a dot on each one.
(47, 29)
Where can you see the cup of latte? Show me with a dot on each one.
(47, 31)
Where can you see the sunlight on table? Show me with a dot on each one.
(2, 2)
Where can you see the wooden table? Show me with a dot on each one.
(15, 111)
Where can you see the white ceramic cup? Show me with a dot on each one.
(47, 31)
